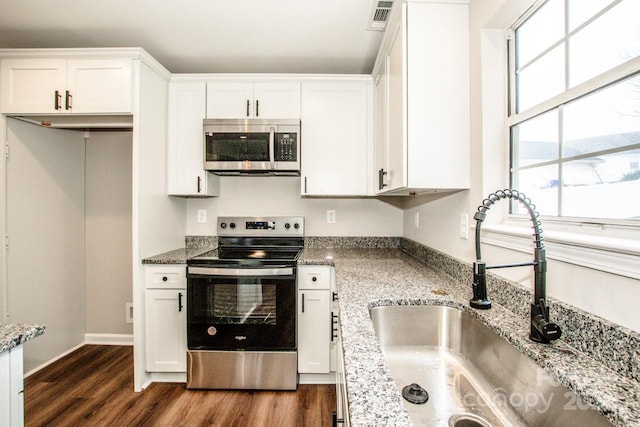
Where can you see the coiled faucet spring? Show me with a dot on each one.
(542, 330)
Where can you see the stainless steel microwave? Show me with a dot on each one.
(252, 146)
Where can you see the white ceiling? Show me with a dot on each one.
(205, 36)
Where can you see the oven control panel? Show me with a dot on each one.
(275, 226)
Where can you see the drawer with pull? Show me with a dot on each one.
(166, 277)
(314, 277)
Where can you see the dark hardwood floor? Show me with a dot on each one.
(93, 386)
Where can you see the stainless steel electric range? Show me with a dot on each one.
(241, 306)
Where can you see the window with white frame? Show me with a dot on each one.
(574, 111)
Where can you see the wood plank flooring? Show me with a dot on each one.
(93, 386)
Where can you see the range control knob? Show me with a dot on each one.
(223, 225)
(232, 225)
(287, 225)
(296, 225)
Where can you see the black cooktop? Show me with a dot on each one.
(249, 251)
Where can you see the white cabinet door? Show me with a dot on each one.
(335, 138)
(50, 86)
(314, 311)
(11, 388)
(165, 329)
(32, 85)
(276, 100)
(99, 86)
(186, 176)
(228, 100)
(396, 142)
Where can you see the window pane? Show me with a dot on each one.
(581, 10)
(609, 118)
(608, 41)
(541, 186)
(536, 140)
(602, 187)
(544, 28)
(542, 79)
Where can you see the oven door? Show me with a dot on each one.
(241, 308)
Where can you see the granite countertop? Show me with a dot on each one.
(372, 277)
(13, 335)
(177, 256)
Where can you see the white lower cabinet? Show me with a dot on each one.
(315, 285)
(11, 388)
(166, 319)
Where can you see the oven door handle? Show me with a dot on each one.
(215, 271)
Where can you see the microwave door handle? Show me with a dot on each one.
(272, 143)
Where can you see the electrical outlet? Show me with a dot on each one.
(464, 226)
(416, 219)
(331, 216)
(202, 216)
(128, 315)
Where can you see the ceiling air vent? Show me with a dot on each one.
(379, 14)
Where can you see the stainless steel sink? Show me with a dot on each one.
(473, 377)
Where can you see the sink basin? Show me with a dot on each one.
(472, 376)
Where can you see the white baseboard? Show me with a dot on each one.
(109, 339)
(99, 339)
(49, 362)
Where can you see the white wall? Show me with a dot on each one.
(45, 223)
(273, 196)
(108, 231)
(606, 295)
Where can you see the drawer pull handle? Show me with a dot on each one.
(165, 278)
(314, 279)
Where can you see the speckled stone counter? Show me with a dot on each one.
(194, 246)
(13, 335)
(372, 277)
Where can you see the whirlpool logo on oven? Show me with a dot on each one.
(240, 337)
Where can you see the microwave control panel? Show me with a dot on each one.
(286, 147)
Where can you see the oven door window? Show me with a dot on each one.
(237, 146)
(250, 313)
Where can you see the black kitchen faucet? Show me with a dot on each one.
(542, 329)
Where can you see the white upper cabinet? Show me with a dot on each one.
(336, 137)
(186, 176)
(276, 100)
(422, 99)
(60, 86)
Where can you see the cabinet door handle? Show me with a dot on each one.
(334, 323)
(381, 174)
(57, 100)
(180, 306)
(334, 296)
(257, 108)
(335, 420)
(248, 105)
(305, 185)
(199, 181)
(303, 303)
(67, 101)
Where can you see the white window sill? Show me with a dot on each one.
(613, 255)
